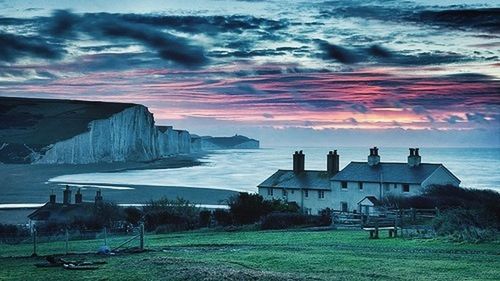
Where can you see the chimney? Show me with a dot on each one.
(67, 196)
(332, 162)
(414, 158)
(373, 158)
(52, 198)
(98, 197)
(78, 197)
(298, 162)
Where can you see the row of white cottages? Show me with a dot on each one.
(356, 187)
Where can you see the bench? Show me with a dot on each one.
(393, 231)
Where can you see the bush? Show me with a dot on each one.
(325, 217)
(223, 217)
(250, 208)
(13, 234)
(464, 225)
(283, 220)
(205, 218)
(132, 215)
(172, 215)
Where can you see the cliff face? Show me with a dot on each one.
(100, 132)
(126, 136)
(130, 135)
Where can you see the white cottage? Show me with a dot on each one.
(376, 179)
(360, 186)
(309, 189)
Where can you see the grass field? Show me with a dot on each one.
(268, 255)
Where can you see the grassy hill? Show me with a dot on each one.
(40, 122)
(269, 255)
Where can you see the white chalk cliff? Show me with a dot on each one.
(129, 135)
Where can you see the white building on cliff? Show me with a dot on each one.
(358, 184)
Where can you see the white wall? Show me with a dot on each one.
(352, 195)
(441, 177)
(312, 203)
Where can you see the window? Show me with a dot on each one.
(293, 191)
(321, 194)
(343, 206)
(285, 193)
(360, 185)
(395, 186)
(406, 187)
(270, 192)
(386, 187)
(306, 193)
(343, 184)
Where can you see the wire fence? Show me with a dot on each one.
(70, 241)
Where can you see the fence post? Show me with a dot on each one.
(34, 243)
(141, 236)
(105, 236)
(401, 221)
(67, 241)
(413, 215)
(437, 211)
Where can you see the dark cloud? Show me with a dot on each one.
(268, 115)
(430, 118)
(341, 54)
(359, 108)
(105, 26)
(480, 19)
(485, 19)
(379, 51)
(419, 109)
(453, 119)
(13, 47)
(476, 117)
(352, 121)
(380, 55)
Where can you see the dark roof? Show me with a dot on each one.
(372, 199)
(386, 172)
(306, 179)
(60, 212)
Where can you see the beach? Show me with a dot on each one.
(28, 184)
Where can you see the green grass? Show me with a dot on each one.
(269, 255)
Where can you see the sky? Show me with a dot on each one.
(311, 73)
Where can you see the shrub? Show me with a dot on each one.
(283, 220)
(205, 218)
(13, 234)
(325, 217)
(249, 208)
(466, 225)
(132, 215)
(223, 217)
(178, 214)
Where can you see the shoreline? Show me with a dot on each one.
(21, 183)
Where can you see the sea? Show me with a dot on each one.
(244, 169)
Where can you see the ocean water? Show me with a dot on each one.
(243, 170)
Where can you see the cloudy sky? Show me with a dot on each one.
(392, 73)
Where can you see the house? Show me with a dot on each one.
(380, 179)
(310, 189)
(65, 212)
(359, 187)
